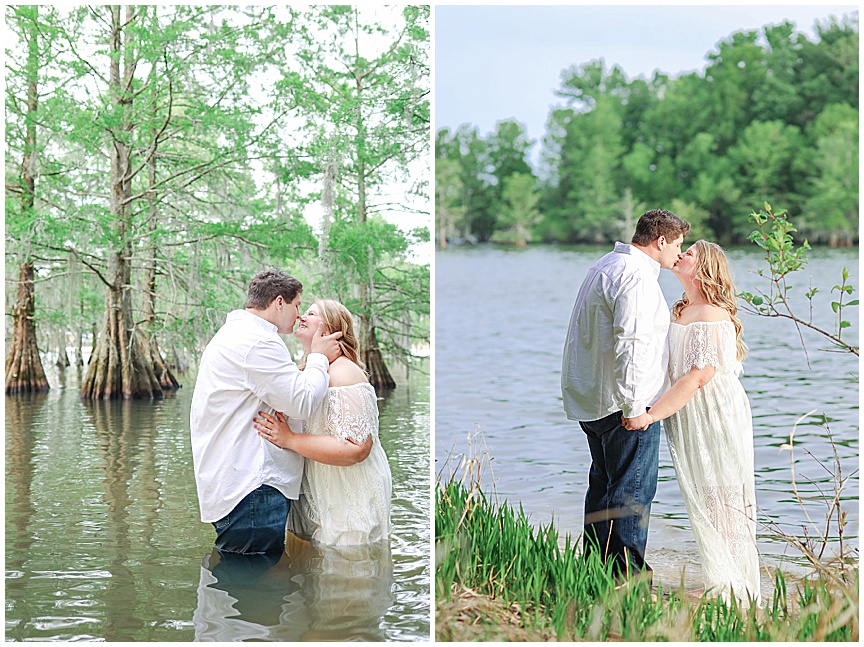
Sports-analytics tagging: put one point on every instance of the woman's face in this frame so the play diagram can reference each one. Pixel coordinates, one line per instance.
(687, 263)
(308, 324)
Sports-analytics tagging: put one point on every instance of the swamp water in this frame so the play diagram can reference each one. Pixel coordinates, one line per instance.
(104, 542)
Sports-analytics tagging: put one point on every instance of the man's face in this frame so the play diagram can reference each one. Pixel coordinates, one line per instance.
(669, 251)
(287, 316)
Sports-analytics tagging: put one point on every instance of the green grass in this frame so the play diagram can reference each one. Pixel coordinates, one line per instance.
(534, 587)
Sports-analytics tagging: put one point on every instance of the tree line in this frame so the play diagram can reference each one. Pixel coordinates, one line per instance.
(158, 156)
(774, 116)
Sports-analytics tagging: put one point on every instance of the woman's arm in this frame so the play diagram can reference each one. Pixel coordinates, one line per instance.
(323, 449)
(674, 399)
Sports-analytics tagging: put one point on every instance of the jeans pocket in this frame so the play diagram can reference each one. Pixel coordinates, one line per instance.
(222, 523)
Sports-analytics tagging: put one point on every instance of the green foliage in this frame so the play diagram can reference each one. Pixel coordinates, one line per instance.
(474, 181)
(236, 108)
(449, 189)
(370, 109)
(695, 216)
(773, 115)
(518, 213)
(495, 551)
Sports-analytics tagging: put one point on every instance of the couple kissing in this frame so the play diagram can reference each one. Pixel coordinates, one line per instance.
(276, 445)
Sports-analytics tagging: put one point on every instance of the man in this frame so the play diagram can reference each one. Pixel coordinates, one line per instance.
(245, 484)
(615, 360)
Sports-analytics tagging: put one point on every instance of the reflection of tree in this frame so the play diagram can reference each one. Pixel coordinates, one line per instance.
(310, 592)
(124, 441)
(22, 412)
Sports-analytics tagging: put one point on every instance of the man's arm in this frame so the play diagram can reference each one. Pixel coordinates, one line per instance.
(273, 376)
(634, 334)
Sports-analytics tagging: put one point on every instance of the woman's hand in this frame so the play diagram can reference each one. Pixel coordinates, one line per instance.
(639, 422)
(275, 429)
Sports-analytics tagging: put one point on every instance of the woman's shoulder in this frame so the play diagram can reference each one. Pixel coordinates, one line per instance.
(344, 372)
(703, 313)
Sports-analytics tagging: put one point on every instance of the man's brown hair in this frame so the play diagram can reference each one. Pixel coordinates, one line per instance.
(269, 284)
(658, 222)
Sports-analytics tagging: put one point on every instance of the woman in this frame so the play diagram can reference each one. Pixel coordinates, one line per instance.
(345, 494)
(708, 423)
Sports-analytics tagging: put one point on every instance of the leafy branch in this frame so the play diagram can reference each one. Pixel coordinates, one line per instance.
(774, 237)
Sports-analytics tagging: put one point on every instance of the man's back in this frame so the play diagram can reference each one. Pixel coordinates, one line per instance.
(615, 351)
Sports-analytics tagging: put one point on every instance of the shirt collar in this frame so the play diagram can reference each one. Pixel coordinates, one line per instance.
(638, 254)
(236, 315)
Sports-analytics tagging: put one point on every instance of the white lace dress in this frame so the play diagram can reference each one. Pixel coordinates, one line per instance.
(711, 442)
(342, 506)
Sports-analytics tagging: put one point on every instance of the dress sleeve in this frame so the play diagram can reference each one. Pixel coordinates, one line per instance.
(705, 345)
(352, 414)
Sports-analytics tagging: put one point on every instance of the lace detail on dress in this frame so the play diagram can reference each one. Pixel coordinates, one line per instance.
(729, 515)
(705, 343)
(701, 350)
(711, 443)
(348, 413)
(345, 505)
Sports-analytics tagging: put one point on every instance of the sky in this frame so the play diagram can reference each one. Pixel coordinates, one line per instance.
(504, 62)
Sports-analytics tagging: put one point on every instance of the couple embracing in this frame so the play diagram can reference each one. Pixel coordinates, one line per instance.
(627, 366)
(277, 446)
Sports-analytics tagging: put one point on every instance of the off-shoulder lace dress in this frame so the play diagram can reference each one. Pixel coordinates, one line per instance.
(711, 442)
(350, 505)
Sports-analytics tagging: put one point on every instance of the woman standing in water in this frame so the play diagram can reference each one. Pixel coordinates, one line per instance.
(709, 427)
(345, 494)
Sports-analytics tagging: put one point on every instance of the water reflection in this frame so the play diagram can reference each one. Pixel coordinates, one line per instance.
(125, 443)
(104, 542)
(307, 593)
(21, 412)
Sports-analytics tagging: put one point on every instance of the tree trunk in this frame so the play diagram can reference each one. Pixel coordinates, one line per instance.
(167, 381)
(62, 356)
(79, 350)
(24, 371)
(121, 365)
(95, 333)
(166, 378)
(379, 376)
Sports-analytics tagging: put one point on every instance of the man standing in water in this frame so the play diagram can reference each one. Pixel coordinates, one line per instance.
(246, 484)
(615, 360)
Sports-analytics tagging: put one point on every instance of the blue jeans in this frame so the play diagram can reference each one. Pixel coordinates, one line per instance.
(621, 485)
(256, 525)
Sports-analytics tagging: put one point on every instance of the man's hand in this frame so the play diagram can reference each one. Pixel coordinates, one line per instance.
(326, 344)
(639, 422)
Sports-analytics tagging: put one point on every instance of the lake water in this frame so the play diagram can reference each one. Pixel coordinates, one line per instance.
(104, 542)
(501, 317)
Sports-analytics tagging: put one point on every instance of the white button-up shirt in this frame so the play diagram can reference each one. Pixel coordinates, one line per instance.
(616, 353)
(246, 368)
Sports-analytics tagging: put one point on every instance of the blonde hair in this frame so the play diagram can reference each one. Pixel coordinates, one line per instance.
(716, 285)
(337, 317)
